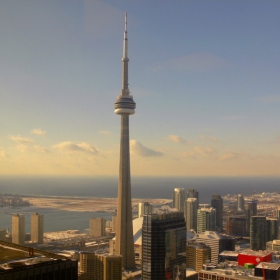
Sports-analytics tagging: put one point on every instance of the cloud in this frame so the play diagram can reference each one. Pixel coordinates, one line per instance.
(38, 131)
(229, 156)
(137, 148)
(177, 139)
(204, 151)
(40, 149)
(3, 155)
(104, 132)
(70, 147)
(198, 151)
(21, 140)
(193, 63)
(211, 138)
(271, 98)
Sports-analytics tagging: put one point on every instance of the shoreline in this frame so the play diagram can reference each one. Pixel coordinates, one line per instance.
(89, 204)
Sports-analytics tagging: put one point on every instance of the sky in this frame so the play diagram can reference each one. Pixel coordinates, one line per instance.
(204, 76)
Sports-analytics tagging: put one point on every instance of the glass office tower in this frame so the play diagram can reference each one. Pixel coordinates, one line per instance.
(163, 245)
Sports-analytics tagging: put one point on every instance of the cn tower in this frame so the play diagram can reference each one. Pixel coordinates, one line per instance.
(125, 106)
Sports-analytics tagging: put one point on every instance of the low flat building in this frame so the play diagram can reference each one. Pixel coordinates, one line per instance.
(20, 262)
(254, 257)
(273, 245)
(271, 270)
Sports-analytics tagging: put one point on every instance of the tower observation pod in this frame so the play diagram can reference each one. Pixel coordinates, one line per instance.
(124, 103)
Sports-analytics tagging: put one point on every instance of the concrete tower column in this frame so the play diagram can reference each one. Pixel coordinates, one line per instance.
(125, 106)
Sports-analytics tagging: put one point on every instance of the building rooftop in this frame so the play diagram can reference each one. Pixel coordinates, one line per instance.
(254, 253)
(268, 265)
(208, 235)
(229, 253)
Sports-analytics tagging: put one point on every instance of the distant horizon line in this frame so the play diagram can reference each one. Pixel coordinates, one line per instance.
(140, 176)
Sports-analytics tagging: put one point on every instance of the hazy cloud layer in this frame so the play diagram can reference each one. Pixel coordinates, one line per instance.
(38, 131)
(104, 132)
(177, 139)
(137, 148)
(40, 149)
(21, 140)
(3, 155)
(193, 63)
(197, 151)
(211, 138)
(70, 147)
(229, 156)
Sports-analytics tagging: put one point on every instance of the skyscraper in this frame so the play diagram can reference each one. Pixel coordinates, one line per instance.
(191, 213)
(240, 203)
(276, 212)
(192, 193)
(258, 234)
(236, 226)
(124, 106)
(272, 225)
(163, 245)
(217, 203)
(144, 208)
(18, 229)
(97, 227)
(37, 228)
(206, 219)
(179, 199)
(250, 210)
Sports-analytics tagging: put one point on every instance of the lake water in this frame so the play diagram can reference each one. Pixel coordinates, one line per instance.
(142, 187)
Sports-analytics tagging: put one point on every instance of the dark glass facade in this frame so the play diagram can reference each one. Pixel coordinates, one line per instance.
(258, 231)
(217, 203)
(163, 245)
(250, 210)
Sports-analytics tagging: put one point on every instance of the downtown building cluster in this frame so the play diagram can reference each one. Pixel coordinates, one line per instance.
(186, 241)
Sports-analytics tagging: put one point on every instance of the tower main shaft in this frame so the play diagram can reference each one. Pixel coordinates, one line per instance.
(125, 106)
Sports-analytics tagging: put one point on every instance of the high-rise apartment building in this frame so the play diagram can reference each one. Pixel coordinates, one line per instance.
(197, 255)
(179, 199)
(124, 106)
(192, 193)
(217, 203)
(3, 234)
(191, 213)
(100, 267)
(97, 227)
(272, 225)
(236, 226)
(114, 223)
(206, 219)
(163, 245)
(258, 233)
(216, 242)
(18, 229)
(276, 212)
(37, 228)
(240, 203)
(250, 210)
(144, 208)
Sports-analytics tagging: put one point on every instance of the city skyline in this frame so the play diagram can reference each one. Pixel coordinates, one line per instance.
(205, 74)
